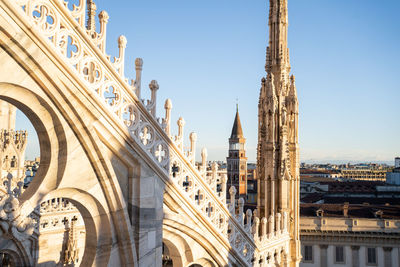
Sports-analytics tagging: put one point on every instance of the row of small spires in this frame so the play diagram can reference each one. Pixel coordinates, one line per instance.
(18, 138)
(260, 229)
(99, 39)
(16, 135)
(56, 204)
(136, 84)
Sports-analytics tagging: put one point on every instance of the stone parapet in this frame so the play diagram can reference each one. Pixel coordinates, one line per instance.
(350, 224)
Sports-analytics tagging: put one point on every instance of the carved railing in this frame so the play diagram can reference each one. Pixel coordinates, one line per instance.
(253, 239)
(57, 213)
(83, 49)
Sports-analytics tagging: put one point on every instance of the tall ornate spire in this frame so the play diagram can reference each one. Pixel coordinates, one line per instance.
(277, 50)
(278, 152)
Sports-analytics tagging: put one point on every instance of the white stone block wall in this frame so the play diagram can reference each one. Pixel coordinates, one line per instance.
(362, 255)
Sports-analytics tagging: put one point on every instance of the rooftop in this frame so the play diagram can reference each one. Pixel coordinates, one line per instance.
(354, 211)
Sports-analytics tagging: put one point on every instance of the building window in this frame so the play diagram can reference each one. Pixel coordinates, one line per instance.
(371, 256)
(308, 254)
(339, 254)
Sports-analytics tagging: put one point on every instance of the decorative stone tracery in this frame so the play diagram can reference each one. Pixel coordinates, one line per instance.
(61, 25)
(13, 223)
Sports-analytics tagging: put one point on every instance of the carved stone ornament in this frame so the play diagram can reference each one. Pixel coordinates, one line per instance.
(13, 223)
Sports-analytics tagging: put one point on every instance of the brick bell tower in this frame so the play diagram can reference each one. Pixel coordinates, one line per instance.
(237, 160)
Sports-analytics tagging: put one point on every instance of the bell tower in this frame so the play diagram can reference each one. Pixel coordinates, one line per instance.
(237, 160)
(278, 148)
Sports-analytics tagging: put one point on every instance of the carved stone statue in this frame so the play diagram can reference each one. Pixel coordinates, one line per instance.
(284, 115)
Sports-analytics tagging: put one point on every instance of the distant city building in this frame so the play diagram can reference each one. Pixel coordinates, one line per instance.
(320, 173)
(364, 174)
(252, 186)
(31, 167)
(350, 218)
(350, 235)
(237, 160)
(394, 176)
(360, 171)
(354, 192)
(397, 162)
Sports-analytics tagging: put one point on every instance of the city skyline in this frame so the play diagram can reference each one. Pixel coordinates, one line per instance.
(345, 68)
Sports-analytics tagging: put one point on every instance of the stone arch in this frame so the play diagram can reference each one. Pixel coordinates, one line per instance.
(16, 258)
(51, 136)
(98, 240)
(203, 262)
(179, 250)
(186, 230)
(49, 123)
(52, 99)
(16, 250)
(173, 252)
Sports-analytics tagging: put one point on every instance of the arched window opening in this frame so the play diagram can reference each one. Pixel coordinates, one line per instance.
(19, 154)
(61, 225)
(166, 258)
(6, 260)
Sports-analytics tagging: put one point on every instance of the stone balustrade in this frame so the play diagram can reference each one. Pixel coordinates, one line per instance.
(350, 224)
(18, 139)
(248, 235)
(83, 51)
(56, 205)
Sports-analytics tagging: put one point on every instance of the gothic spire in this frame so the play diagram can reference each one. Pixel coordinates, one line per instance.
(278, 149)
(91, 16)
(237, 131)
(277, 60)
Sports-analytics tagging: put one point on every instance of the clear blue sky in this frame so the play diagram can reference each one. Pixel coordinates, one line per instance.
(205, 54)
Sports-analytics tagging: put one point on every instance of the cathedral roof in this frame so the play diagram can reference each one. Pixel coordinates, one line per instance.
(237, 131)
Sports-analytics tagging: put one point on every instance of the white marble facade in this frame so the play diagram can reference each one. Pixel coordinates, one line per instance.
(115, 186)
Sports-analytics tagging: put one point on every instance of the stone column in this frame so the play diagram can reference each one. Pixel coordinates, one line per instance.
(387, 256)
(355, 256)
(323, 255)
(146, 211)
